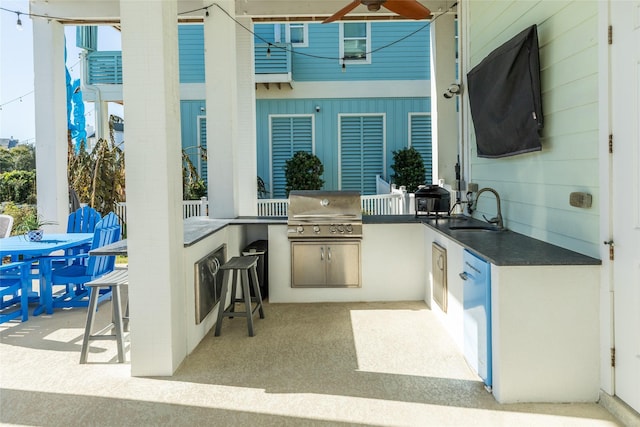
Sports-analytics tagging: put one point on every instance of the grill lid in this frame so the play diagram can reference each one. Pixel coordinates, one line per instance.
(432, 191)
(324, 206)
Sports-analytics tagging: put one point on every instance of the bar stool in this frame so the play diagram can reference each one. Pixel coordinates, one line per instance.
(113, 280)
(240, 266)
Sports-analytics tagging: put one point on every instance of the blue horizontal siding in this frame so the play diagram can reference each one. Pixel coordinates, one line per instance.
(326, 127)
(264, 33)
(191, 53)
(406, 60)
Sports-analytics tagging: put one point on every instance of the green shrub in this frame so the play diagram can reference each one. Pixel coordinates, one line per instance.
(20, 157)
(303, 172)
(18, 186)
(195, 190)
(409, 169)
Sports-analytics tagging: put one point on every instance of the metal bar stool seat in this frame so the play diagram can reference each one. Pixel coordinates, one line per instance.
(240, 267)
(113, 280)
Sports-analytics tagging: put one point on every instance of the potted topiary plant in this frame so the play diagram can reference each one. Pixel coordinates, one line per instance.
(303, 172)
(409, 169)
(31, 225)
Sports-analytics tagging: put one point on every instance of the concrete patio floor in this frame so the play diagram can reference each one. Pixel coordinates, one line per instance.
(374, 364)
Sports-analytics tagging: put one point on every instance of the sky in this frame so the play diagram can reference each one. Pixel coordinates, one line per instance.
(17, 117)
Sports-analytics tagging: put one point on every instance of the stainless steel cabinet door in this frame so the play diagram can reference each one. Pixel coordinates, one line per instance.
(308, 264)
(320, 265)
(343, 264)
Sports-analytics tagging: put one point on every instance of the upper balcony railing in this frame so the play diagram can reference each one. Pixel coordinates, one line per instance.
(104, 67)
(272, 58)
(272, 65)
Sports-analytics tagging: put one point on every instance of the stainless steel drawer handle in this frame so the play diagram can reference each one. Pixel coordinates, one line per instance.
(464, 276)
(322, 254)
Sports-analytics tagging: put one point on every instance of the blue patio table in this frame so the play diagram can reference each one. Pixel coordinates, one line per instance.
(19, 247)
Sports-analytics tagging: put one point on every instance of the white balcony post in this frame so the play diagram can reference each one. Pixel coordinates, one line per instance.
(221, 92)
(51, 121)
(444, 118)
(154, 186)
(247, 163)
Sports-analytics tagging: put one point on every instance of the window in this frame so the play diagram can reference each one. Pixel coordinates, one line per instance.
(195, 149)
(355, 42)
(362, 151)
(297, 35)
(420, 139)
(288, 135)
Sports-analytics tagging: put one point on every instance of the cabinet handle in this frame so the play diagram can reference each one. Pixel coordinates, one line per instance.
(464, 276)
(322, 254)
(329, 254)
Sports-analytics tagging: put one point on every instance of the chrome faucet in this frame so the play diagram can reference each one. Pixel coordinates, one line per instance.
(497, 220)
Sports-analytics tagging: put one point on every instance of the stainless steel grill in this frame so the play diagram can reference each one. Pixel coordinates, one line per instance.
(325, 231)
(324, 214)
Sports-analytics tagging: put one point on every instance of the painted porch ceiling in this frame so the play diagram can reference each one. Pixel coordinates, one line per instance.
(108, 11)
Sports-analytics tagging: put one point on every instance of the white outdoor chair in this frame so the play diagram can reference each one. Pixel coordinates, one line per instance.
(6, 224)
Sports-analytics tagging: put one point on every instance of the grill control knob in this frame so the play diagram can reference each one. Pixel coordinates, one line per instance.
(348, 228)
(300, 229)
(316, 229)
(332, 228)
(340, 228)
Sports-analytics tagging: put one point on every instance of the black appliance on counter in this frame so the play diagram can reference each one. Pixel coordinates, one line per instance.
(432, 200)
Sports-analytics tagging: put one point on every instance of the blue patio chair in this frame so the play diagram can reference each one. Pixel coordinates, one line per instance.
(75, 275)
(15, 283)
(83, 220)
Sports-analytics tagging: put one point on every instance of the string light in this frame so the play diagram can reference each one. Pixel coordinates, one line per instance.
(297, 52)
(18, 99)
(206, 10)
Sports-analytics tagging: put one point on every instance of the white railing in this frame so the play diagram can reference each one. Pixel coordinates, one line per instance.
(382, 186)
(380, 204)
(383, 204)
(273, 207)
(189, 208)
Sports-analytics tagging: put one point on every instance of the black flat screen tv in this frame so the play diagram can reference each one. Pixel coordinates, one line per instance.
(505, 98)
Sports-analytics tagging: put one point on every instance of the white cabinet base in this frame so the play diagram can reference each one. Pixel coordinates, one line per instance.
(545, 323)
(392, 267)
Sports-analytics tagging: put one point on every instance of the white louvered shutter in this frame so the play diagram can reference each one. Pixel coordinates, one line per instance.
(288, 136)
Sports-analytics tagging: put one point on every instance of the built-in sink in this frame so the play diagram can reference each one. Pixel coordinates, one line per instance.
(475, 227)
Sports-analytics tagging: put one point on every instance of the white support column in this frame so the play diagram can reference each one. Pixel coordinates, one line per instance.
(444, 118)
(154, 186)
(102, 119)
(247, 164)
(51, 121)
(221, 93)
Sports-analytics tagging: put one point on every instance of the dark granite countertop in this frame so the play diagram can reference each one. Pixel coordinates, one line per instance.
(502, 248)
(198, 227)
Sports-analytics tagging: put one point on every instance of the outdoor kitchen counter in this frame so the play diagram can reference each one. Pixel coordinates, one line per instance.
(197, 228)
(502, 248)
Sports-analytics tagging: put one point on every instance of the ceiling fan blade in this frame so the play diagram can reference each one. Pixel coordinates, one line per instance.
(339, 14)
(407, 8)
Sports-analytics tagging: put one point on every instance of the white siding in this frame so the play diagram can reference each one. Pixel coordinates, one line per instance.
(535, 187)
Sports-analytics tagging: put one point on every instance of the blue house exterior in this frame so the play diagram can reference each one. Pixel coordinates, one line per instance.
(352, 93)
(350, 120)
